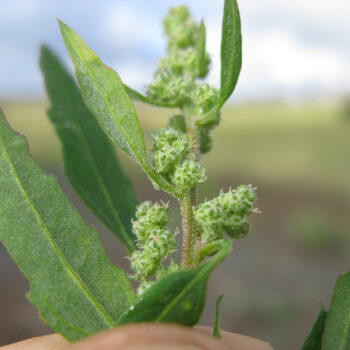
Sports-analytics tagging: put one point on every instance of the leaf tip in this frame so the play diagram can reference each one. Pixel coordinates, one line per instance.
(64, 28)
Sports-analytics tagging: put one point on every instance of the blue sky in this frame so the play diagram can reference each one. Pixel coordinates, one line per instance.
(292, 49)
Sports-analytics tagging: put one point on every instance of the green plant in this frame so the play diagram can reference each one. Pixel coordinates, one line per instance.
(73, 284)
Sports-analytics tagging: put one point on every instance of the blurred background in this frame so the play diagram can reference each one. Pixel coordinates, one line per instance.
(285, 130)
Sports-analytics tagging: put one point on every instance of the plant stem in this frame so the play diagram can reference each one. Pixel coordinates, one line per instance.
(187, 229)
(191, 238)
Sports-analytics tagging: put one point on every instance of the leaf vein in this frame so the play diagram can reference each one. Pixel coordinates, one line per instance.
(109, 321)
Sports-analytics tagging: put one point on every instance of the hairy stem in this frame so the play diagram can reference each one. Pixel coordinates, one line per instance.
(187, 229)
(191, 238)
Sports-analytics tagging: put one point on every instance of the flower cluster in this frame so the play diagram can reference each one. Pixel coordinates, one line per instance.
(205, 138)
(204, 98)
(155, 242)
(178, 123)
(175, 78)
(170, 149)
(226, 213)
(176, 153)
(180, 29)
(188, 175)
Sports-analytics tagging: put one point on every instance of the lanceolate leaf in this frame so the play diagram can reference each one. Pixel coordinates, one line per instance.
(231, 51)
(89, 158)
(178, 297)
(231, 58)
(201, 52)
(135, 95)
(337, 327)
(107, 99)
(75, 287)
(313, 341)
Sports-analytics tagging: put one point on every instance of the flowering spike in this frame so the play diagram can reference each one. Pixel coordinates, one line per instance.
(226, 213)
(178, 123)
(169, 149)
(204, 98)
(155, 242)
(180, 29)
(188, 175)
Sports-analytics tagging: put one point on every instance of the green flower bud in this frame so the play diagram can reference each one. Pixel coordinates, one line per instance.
(178, 123)
(188, 175)
(155, 242)
(181, 62)
(169, 149)
(177, 15)
(205, 140)
(226, 213)
(160, 243)
(168, 87)
(180, 29)
(144, 265)
(148, 217)
(237, 230)
(204, 98)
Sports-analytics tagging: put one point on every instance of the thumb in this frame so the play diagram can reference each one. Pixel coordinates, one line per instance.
(157, 336)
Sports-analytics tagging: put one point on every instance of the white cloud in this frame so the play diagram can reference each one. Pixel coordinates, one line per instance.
(134, 73)
(281, 58)
(277, 61)
(123, 24)
(290, 47)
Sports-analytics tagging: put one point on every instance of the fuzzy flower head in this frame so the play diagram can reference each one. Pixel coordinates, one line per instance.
(168, 87)
(161, 243)
(178, 123)
(204, 98)
(180, 29)
(155, 242)
(144, 265)
(181, 62)
(227, 213)
(205, 138)
(148, 217)
(175, 78)
(169, 149)
(188, 175)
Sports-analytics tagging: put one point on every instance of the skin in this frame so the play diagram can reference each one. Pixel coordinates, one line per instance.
(146, 336)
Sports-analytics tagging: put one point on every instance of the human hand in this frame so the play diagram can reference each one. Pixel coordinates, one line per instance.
(145, 336)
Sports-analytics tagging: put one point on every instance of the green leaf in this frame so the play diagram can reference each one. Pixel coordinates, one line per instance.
(135, 95)
(217, 317)
(313, 340)
(76, 289)
(90, 163)
(201, 52)
(337, 328)
(231, 59)
(231, 51)
(107, 99)
(178, 297)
